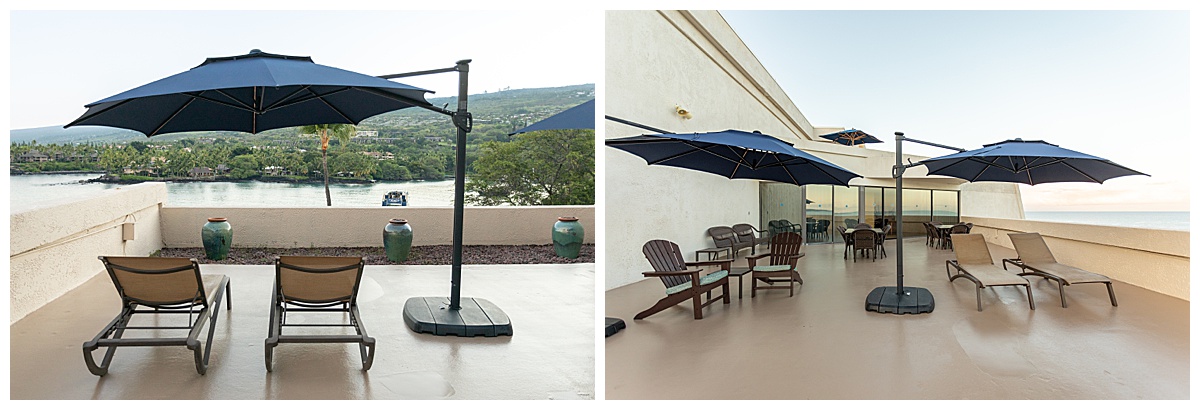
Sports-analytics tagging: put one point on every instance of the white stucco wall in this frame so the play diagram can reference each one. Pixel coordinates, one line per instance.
(53, 249)
(1153, 259)
(363, 227)
(657, 60)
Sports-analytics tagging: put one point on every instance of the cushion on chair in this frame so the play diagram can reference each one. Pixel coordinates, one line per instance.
(773, 268)
(706, 279)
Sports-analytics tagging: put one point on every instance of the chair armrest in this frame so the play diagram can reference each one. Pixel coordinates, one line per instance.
(723, 263)
(755, 258)
(671, 273)
(1015, 261)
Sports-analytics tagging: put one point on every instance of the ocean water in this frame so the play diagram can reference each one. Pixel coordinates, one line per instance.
(33, 191)
(1175, 221)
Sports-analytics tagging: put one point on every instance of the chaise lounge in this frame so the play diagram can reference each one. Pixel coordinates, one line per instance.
(975, 264)
(1034, 258)
(159, 287)
(307, 284)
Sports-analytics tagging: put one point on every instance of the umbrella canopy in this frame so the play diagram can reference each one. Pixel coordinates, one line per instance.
(851, 137)
(1026, 162)
(579, 117)
(735, 155)
(251, 93)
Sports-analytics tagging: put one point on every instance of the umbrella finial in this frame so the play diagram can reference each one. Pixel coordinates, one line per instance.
(255, 51)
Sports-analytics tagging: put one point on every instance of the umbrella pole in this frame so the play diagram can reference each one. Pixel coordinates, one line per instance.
(458, 317)
(898, 299)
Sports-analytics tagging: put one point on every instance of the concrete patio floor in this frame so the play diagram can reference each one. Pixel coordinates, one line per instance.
(550, 356)
(823, 344)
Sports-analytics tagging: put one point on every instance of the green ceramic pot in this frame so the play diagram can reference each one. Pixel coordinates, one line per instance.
(217, 235)
(397, 240)
(568, 237)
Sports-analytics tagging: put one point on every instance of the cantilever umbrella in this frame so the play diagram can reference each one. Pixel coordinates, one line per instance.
(735, 155)
(579, 117)
(252, 93)
(260, 91)
(851, 137)
(1026, 162)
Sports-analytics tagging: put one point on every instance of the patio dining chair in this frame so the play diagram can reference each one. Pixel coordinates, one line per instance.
(957, 229)
(317, 284)
(747, 233)
(1035, 258)
(864, 242)
(159, 288)
(682, 279)
(974, 262)
(779, 267)
(879, 239)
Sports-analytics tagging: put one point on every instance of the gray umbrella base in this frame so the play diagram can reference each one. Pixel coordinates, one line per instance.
(612, 325)
(477, 317)
(914, 300)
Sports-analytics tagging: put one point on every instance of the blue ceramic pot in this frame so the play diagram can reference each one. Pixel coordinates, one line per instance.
(397, 240)
(217, 235)
(567, 236)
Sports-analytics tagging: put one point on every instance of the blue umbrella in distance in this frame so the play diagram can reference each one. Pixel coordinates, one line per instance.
(579, 117)
(851, 137)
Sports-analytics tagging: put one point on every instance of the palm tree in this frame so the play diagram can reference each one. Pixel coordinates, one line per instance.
(340, 131)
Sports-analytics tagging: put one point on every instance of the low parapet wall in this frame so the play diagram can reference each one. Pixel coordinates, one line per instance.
(53, 249)
(1158, 260)
(363, 227)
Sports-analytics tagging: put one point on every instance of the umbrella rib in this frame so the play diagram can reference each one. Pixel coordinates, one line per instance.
(200, 96)
(1085, 175)
(102, 111)
(335, 109)
(288, 97)
(395, 97)
(177, 111)
(737, 165)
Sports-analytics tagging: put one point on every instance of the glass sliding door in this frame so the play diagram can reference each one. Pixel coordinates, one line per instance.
(780, 202)
(945, 207)
(818, 212)
(917, 211)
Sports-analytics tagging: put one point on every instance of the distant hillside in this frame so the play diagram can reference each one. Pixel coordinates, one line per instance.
(57, 135)
(510, 107)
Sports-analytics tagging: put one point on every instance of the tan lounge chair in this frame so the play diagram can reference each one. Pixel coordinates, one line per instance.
(318, 284)
(781, 265)
(159, 286)
(975, 264)
(1034, 258)
(682, 281)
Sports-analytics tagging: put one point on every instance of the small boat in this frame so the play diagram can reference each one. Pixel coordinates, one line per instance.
(396, 198)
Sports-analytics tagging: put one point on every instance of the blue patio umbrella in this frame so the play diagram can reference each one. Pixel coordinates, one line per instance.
(251, 93)
(261, 91)
(1026, 162)
(735, 155)
(579, 117)
(851, 137)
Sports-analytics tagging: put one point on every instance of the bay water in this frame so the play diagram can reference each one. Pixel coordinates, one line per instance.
(33, 191)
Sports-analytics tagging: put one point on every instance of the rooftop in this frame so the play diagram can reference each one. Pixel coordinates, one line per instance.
(550, 356)
(823, 344)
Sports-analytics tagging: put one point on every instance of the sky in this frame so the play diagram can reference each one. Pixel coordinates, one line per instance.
(61, 60)
(1114, 84)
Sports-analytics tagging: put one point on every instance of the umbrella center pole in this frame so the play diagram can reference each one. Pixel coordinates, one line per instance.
(467, 317)
(898, 299)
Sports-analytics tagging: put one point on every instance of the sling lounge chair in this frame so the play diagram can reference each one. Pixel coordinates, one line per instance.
(975, 264)
(1034, 258)
(780, 265)
(682, 280)
(159, 286)
(317, 284)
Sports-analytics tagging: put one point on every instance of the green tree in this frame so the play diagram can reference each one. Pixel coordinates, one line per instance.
(340, 131)
(244, 166)
(355, 163)
(555, 167)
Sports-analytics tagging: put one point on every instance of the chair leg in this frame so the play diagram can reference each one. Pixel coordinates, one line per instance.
(725, 290)
(1062, 295)
(1111, 296)
(978, 300)
(697, 307)
(1029, 294)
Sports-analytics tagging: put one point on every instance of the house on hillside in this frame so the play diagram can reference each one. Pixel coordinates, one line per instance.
(33, 156)
(200, 172)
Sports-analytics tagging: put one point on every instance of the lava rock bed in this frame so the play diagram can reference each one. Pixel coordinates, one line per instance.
(419, 255)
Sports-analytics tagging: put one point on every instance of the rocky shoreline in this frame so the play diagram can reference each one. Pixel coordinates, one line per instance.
(420, 255)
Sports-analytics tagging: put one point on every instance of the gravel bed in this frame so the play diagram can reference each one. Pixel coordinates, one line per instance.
(419, 255)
